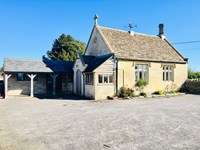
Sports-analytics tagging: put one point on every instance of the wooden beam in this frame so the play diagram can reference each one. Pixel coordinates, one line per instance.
(6, 77)
(32, 76)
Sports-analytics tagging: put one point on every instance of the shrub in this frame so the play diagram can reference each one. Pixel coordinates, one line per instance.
(126, 92)
(193, 86)
(141, 83)
(159, 92)
(193, 75)
(143, 94)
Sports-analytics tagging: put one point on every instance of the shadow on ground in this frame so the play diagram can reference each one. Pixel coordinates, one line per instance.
(60, 97)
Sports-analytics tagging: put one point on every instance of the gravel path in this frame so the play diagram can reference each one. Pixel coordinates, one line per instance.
(148, 124)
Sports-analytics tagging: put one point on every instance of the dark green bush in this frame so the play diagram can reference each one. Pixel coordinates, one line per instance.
(141, 83)
(126, 92)
(143, 94)
(159, 92)
(193, 86)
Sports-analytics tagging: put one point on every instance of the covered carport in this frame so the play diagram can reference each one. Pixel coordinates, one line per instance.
(30, 77)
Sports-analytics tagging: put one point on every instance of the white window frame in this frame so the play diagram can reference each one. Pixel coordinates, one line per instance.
(168, 73)
(103, 78)
(141, 68)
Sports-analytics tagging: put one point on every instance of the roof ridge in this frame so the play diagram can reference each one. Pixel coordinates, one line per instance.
(23, 59)
(104, 39)
(127, 31)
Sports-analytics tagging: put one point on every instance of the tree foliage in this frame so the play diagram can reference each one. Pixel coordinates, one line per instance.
(1, 71)
(65, 48)
(193, 74)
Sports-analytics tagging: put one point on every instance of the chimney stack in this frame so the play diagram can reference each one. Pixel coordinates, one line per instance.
(161, 31)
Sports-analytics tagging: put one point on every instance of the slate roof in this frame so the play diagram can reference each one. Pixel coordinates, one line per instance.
(37, 66)
(94, 62)
(140, 46)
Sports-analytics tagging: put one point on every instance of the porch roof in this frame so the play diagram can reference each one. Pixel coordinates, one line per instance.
(95, 61)
(37, 66)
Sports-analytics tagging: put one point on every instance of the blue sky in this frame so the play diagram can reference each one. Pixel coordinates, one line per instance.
(28, 27)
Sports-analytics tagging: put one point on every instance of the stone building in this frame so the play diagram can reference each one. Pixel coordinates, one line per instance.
(112, 59)
(129, 57)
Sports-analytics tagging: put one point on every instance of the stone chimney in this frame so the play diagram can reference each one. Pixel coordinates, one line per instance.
(131, 33)
(161, 31)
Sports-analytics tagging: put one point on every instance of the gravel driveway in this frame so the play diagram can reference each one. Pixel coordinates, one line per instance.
(154, 123)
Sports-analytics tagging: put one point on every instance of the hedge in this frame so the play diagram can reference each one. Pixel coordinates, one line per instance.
(193, 86)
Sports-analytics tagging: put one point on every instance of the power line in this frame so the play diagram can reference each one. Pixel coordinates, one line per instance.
(189, 42)
(191, 48)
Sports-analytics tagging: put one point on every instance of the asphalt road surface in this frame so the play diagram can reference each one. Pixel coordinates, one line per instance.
(142, 124)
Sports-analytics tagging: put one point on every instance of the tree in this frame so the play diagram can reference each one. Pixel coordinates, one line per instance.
(65, 48)
(1, 71)
(193, 74)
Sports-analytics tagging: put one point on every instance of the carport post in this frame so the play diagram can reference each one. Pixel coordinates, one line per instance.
(54, 76)
(6, 83)
(32, 76)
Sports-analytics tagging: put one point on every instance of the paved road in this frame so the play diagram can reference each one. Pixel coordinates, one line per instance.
(148, 124)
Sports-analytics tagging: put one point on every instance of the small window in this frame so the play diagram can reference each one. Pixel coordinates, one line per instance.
(89, 79)
(168, 73)
(105, 78)
(25, 77)
(100, 78)
(110, 78)
(141, 72)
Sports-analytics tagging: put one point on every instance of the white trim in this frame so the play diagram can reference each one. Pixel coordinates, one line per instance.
(31, 76)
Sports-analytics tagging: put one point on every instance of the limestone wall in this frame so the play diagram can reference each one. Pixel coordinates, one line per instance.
(126, 75)
(96, 45)
(23, 87)
(18, 87)
(90, 91)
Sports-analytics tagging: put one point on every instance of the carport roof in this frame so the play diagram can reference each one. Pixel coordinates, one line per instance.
(37, 66)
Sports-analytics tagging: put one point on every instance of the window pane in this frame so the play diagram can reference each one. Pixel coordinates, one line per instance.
(89, 78)
(171, 78)
(136, 76)
(105, 78)
(140, 75)
(168, 73)
(136, 67)
(20, 76)
(167, 76)
(163, 76)
(100, 78)
(145, 75)
(110, 78)
(140, 67)
(144, 67)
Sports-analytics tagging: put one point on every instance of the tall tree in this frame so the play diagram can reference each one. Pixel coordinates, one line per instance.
(65, 48)
(1, 71)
